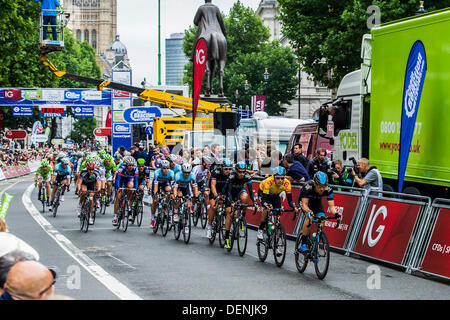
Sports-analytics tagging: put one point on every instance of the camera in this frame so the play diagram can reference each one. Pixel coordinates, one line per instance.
(355, 165)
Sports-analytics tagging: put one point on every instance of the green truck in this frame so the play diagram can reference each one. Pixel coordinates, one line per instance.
(371, 107)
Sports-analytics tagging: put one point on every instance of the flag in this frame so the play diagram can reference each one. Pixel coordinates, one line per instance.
(416, 69)
(200, 59)
(109, 119)
(5, 205)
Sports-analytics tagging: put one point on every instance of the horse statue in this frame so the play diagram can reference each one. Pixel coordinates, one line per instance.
(211, 27)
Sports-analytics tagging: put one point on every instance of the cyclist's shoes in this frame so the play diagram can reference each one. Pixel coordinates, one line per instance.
(131, 219)
(227, 244)
(61, 199)
(260, 235)
(279, 251)
(304, 248)
(176, 218)
(186, 230)
(97, 203)
(152, 223)
(114, 222)
(209, 232)
(91, 221)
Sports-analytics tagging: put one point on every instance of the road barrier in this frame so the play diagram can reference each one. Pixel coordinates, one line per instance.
(432, 252)
(8, 172)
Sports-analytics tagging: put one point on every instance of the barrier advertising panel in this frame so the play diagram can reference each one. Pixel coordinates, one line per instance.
(387, 229)
(437, 257)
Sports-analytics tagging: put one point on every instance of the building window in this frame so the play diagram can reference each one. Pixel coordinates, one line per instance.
(94, 39)
(86, 36)
(79, 35)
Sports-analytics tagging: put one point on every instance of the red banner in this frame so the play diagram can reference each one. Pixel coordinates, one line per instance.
(387, 228)
(102, 132)
(258, 103)
(13, 94)
(109, 119)
(437, 256)
(200, 60)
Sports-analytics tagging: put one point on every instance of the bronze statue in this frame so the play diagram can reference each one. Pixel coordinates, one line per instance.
(211, 27)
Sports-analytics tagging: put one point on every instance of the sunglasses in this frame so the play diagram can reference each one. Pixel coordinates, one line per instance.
(279, 178)
(240, 171)
(51, 285)
(226, 169)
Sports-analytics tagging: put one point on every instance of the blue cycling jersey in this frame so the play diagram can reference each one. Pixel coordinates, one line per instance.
(127, 175)
(176, 169)
(182, 182)
(60, 171)
(162, 179)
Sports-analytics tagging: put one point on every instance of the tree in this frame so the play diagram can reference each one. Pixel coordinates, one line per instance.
(326, 35)
(249, 53)
(83, 129)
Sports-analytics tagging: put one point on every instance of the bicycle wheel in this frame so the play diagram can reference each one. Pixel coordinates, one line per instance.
(214, 231)
(196, 214)
(321, 255)
(177, 226)
(279, 245)
(121, 212)
(56, 202)
(232, 235)
(103, 201)
(186, 225)
(221, 229)
(204, 213)
(139, 213)
(157, 222)
(165, 220)
(85, 216)
(242, 236)
(125, 217)
(43, 200)
(301, 260)
(94, 211)
(262, 247)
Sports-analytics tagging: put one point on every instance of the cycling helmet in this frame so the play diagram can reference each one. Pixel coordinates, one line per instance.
(186, 167)
(65, 161)
(226, 163)
(207, 160)
(61, 155)
(90, 165)
(172, 158)
(240, 165)
(89, 159)
(129, 160)
(279, 171)
(141, 161)
(107, 157)
(45, 163)
(102, 152)
(320, 178)
(165, 164)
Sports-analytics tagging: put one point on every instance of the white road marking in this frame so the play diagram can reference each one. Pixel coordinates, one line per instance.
(111, 283)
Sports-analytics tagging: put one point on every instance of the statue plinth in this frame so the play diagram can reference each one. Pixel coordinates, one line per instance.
(216, 99)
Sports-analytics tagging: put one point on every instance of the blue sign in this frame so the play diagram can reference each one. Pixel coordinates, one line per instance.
(69, 97)
(149, 130)
(122, 128)
(141, 115)
(81, 111)
(22, 111)
(68, 141)
(416, 70)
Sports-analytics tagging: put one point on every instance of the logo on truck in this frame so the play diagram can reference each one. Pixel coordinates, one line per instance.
(412, 93)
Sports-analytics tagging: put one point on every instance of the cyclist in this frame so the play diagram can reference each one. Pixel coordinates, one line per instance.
(219, 178)
(310, 199)
(269, 195)
(44, 174)
(202, 174)
(238, 189)
(61, 174)
(88, 184)
(127, 176)
(173, 165)
(162, 180)
(110, 171)
(184, 180)
(102, 170)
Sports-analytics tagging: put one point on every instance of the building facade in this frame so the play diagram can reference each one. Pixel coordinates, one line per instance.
(311, 94)
(175, 59)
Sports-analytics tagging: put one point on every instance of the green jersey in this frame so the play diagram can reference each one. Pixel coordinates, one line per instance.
(110, 169)
(45, 173)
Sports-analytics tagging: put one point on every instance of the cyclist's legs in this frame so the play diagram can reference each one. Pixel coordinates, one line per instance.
(212, 211)
(83, 195)
(54, 187)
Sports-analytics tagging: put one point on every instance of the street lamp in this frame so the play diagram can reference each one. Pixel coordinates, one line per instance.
(246, 85)
(266, 78)
(266, 75)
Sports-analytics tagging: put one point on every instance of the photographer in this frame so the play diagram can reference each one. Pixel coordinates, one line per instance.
(340, 175)
(371, 178)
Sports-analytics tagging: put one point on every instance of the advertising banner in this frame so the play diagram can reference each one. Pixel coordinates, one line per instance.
(141, 115)
(258, 103)
(81, 111)
(387, 228)
(437, 256)
(200, 59)
(52, 111)
(70, 97)
(416, 70)
(22, 111)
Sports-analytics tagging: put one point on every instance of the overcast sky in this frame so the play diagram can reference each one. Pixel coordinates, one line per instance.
(137, 25)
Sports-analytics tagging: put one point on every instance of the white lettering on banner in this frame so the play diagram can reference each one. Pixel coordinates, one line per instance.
(200, 56)
(368, 232)
(444, 249)
(52, 95)
(72, 95)
(91, 95)
(412, 93)
(121, 128)
(141, 115)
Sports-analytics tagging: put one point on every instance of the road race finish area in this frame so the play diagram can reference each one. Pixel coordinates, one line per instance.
(108, 264)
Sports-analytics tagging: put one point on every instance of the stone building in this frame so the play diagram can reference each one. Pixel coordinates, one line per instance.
(312, 93)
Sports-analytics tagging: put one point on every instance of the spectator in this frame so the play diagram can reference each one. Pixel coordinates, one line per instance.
(318, 163)
(340, 175)
(8, 260)
(215, 152)
(371, 180)
(206, 150)
(295, 170)
(298, 155)
(9, 243)
(29, 280)
(156, 158)
(165, 152)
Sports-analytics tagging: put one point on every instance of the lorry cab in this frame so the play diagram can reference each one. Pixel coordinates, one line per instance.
(307, 134)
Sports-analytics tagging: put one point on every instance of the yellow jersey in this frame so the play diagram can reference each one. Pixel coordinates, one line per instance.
(269, 187)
